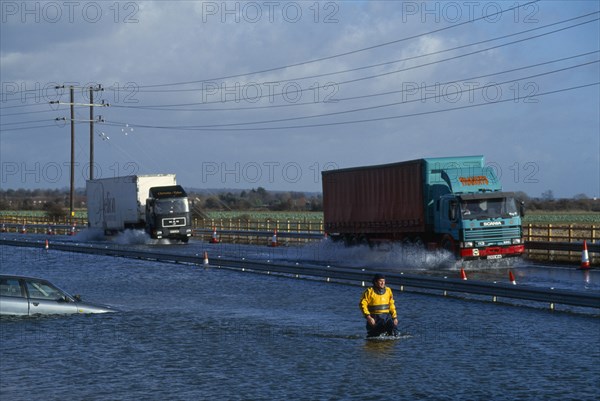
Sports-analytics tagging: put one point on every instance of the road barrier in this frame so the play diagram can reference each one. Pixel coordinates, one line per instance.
(354, 276)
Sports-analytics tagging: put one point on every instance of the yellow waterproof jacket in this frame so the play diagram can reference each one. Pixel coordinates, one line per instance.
(372, 303)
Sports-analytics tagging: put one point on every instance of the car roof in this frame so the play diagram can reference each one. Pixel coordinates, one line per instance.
(21, 277)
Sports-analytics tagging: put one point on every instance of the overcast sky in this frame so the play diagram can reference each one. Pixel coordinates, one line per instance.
(249, 94)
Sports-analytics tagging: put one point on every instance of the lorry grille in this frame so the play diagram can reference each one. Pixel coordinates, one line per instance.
(174, 222)
(492, 234)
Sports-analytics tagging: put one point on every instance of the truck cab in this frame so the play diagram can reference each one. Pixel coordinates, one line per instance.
(474, 219)
(168, 213)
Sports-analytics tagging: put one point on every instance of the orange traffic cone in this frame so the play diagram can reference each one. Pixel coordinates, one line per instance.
(463, 275)
(24, 229)
(585, 258)
(215, 238)
(46, 246)
(73, 229)
(206, 258)
(274, 239)
(511, 277)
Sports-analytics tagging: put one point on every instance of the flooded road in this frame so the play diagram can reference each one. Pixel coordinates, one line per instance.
(186, 332)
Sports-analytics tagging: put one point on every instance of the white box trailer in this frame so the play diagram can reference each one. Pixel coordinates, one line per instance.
(119, 203)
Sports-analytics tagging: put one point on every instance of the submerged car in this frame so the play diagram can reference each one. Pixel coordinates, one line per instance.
(25, 296)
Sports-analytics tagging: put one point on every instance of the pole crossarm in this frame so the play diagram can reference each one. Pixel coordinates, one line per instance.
(103, 104)
(77, 120)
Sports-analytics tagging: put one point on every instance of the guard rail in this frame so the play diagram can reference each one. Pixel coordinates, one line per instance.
(550, 296)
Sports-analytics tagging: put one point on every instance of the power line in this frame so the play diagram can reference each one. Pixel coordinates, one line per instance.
(302, 90)
(22, 105)
(26, 128)
(24, 122)
(349, 52)
(29, 112)
(413, 57)
(338, 100)
(347, 70)
(391, 104)
(155, 108)
(371, 66)
(182, 128)
(369, 107)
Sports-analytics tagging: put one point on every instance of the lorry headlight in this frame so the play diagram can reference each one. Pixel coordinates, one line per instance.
(468, 244)
(480, 243)
(516, 241)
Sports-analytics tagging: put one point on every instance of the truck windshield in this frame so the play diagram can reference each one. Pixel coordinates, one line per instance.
(489, 208)
(173, 205)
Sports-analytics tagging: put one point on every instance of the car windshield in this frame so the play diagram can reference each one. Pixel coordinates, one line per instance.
(41, 290)
(174, 205)
(489, 208)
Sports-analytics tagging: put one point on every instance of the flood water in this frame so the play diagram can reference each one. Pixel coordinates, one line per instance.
(187, 332)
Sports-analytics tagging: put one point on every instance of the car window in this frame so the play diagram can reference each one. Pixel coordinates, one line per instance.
(39, 290)
(9, 287)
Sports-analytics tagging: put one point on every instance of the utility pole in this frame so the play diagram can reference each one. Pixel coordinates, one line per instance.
(72, 191)
(92, 90)
(91, 133)
(72, 105)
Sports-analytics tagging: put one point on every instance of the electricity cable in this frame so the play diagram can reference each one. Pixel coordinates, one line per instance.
(183, 128)
(487, 16)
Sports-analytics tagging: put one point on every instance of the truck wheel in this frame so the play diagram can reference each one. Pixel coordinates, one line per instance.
(448, 244)
(349, 240)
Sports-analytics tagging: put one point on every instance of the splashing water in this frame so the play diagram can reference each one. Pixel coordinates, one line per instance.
(393, 256)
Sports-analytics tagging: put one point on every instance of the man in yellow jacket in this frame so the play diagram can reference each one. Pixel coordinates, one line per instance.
(377, 305)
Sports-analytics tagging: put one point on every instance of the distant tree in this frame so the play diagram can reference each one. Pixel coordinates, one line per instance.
(212, 203)
(582, 202)
(316, 204)
(26, 204)
(228, 199)
(54, 210)
(548, 195)
(261, 192)
(4, 204)
(522, 196)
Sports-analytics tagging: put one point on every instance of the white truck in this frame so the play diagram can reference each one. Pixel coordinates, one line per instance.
(154, 203)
